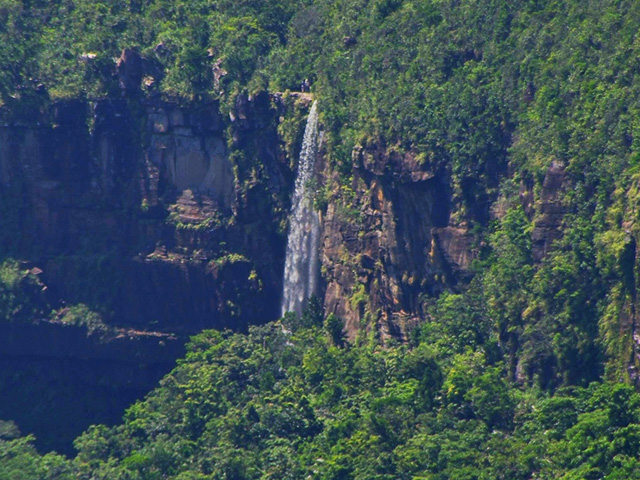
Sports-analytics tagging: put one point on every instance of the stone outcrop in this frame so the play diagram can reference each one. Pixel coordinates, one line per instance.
(191, 204)
(391, 245)
(134, 71)
(551, 211)
(172, 218)
(137, 208)
(190, 150)
(404, 235)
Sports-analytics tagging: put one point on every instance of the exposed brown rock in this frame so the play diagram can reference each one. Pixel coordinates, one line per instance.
(132, 68)
(395, 246)
(551, 211)
(130, 72)
(349, 41)
(456, 245)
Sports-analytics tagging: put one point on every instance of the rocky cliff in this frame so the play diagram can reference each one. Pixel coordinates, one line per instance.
(153, 214)
(55, 380)
(391, 242)
(172, 218)
(164, 219)
(175, 215)
(403, 231)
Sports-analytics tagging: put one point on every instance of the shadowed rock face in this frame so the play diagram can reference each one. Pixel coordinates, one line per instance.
(551, 211)
(137, 210)
(140, 210)
(56, 380)
(170, 219)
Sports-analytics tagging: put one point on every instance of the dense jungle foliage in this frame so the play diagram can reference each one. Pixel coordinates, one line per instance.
(291, 401)
(527, 372)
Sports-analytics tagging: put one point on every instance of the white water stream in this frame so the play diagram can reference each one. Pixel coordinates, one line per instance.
(301, 269)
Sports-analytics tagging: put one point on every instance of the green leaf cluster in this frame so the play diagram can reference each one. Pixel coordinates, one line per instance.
(291, 404)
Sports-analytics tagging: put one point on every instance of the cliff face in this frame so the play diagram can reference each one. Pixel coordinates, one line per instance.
(161, 218)
(167, 218)
(409, 230)
(171, 218)
(394, 244)
(138, 209)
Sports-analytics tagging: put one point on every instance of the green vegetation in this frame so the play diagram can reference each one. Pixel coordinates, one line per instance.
(229, 259)
(20, 293)
(526, 372)
(273, 404)
(80, 315)
(20, 460)
(23, 300)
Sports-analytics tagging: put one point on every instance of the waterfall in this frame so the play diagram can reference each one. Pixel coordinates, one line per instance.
(301, 270)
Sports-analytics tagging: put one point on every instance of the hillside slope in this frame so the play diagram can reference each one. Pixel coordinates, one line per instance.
(477, 183)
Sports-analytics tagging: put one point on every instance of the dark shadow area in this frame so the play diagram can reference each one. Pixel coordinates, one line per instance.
(56, 381)
(56, 400)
